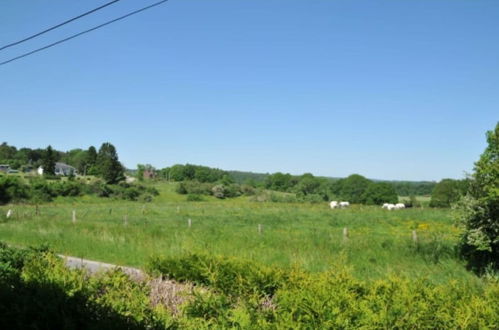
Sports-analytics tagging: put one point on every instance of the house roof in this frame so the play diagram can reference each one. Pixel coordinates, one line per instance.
(63, 166)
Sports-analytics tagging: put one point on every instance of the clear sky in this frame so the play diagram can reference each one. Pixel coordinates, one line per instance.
(388, 89)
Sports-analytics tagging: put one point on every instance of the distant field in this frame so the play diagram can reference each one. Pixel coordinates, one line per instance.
(308, 236)
(424, 199)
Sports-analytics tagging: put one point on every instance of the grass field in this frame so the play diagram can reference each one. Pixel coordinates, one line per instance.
(309, 236)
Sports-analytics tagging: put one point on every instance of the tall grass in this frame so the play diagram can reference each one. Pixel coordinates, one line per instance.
(308, 236)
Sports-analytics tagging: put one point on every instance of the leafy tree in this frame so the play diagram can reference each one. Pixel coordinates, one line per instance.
(108, 165)
(48, 162)
(189, 172)
(7, 152)
(447, 192)
(176, 173)
(380, 192)
(227, 180)
(353, 188)
(307, 184)
(279, 181)
(91, 161)
(140, 172)
(479, 214)
(76, 158)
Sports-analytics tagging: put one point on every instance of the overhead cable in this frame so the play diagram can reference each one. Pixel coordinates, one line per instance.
(58, 25)
(82, 33)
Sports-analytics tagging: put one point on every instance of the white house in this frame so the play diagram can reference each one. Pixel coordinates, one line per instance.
(5, 168)
(60, 169)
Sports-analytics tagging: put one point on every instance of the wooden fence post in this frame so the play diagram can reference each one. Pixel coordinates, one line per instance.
(345, 234)
(74, 216)
(125, 219)
(189, 223)
(259, 229)
(415, 237)
(37, 211)
(9, 213)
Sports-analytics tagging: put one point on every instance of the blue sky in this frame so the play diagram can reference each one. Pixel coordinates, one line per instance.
(388, 89)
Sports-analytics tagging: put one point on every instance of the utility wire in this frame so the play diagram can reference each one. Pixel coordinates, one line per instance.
(83, 32)
(58, 25)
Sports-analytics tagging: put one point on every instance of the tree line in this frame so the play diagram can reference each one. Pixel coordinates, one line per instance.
(103, 163)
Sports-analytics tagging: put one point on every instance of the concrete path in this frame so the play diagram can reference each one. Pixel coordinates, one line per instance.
(96, 266)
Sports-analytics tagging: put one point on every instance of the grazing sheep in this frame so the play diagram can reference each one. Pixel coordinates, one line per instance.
(334, 205)
(344, 204)
(390, 207)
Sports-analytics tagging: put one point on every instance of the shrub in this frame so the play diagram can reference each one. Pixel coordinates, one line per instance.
(310, 198)
(12, 189)
(219, 191)
(194, 198)
(247, 190)
(232, 190)
(42, 191)
(479, 215)
(39, 292)
(231, 276)
(67, 188)
(194, 187)
(247, 295)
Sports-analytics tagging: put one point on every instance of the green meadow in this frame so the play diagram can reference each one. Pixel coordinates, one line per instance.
(304, 235)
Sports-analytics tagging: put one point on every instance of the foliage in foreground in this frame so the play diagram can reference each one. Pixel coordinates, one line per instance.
(248, 295)
(38, 291)
(480, 210)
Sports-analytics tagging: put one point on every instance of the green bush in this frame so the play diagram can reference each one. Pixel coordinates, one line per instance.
(230, 276)
(194, 187)
(194, 198)
(37, 291)
(378, 193)
(12, 189)
(244, 295)
(479, 216)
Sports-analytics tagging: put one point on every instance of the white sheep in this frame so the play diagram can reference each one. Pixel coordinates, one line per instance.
(344, 204)
(334, 205)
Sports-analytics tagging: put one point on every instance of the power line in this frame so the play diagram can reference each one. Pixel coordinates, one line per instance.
(83, 32)
(58, 25)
